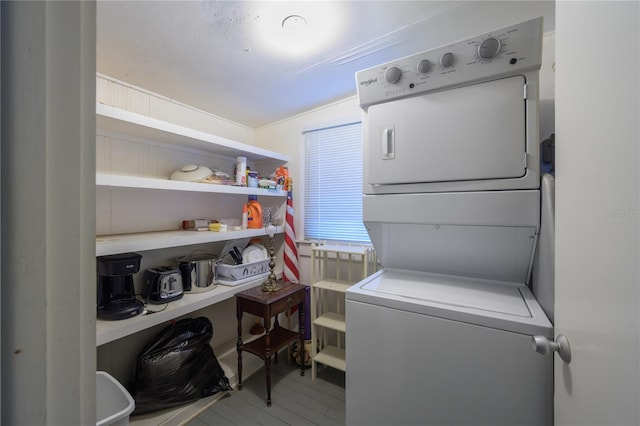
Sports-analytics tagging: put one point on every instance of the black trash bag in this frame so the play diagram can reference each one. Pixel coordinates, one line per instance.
(178, 366)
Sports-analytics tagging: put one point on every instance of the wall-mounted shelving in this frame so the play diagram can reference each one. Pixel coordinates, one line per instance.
(136, 155)
(108, 331)
(129, 126)
(113, 244)
(134, 182)
(122, 122)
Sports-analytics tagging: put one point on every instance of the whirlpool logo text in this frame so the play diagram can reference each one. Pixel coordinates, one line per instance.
(368, 82)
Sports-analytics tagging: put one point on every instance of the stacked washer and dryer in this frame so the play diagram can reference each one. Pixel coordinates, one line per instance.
(442, 335)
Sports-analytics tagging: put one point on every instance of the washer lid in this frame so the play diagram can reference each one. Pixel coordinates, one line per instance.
(490, 296)
(497, 304)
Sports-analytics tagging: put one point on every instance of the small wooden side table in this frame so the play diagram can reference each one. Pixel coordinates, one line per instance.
(268, 305)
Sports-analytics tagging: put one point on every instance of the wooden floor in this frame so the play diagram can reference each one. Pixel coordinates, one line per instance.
(295, 399)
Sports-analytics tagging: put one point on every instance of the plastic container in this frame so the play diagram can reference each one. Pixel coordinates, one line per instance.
(252, 179)
(113, 402)
(245, 217)
(254, 213)
(241, 171)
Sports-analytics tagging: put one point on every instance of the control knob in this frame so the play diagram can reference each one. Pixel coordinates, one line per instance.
(446, 60)
(424, 66)
(392, 74)
(489, 48)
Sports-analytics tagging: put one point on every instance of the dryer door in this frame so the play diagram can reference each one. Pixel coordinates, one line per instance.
(468, 133)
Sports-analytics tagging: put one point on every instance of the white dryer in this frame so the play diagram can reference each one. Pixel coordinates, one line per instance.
(443, 334)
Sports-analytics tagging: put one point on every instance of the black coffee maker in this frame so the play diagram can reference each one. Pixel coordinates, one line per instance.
(116, 293)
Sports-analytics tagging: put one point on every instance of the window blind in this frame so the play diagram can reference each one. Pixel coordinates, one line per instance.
(333, 184)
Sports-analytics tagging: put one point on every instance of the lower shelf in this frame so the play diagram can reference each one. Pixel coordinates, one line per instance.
(333, 357)
(332, 321)
(108, 331)
(280, 337)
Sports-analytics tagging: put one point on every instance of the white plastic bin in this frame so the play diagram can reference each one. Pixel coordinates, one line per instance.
(242, 271)
(113, 402)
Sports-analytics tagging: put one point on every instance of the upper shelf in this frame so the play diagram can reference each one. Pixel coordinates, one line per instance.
(121, 181)
(123, 122)
(122, 243)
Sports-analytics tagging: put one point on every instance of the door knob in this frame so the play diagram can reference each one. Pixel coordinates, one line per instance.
(543, 345)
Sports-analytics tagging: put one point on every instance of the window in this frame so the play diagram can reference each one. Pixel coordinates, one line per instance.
(333, 184)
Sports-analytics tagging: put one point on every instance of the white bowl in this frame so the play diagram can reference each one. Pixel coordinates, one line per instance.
(191, 173)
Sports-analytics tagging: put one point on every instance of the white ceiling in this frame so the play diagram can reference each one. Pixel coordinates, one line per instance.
(213, 55)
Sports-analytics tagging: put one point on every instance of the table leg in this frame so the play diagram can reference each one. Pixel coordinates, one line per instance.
(267, 364)
(239, 346)
(267, 355)
(275, 326)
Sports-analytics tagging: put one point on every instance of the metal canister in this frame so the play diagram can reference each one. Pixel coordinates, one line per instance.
(198, 272)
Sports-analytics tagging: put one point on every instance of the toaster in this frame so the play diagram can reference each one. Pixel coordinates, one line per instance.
(164, 284)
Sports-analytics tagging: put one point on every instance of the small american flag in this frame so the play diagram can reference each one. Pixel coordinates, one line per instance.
(290, 271)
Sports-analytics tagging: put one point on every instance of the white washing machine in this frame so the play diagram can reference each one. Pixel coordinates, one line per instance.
(443, 334)
(429, 349)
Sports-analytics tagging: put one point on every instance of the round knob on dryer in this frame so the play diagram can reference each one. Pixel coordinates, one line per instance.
(489, 48)
(446, 60)
(392, 74)
(424, 66)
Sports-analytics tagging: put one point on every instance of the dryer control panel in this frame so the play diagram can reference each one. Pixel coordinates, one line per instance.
(508, 51)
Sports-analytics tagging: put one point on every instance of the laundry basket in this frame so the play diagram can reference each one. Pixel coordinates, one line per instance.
(113, 402)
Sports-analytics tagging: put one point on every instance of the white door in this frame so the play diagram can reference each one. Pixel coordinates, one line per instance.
(597, 212)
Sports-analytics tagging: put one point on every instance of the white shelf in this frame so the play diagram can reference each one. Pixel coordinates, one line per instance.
(331, 320)
(328, 265)
(333, 285)
(134, 182)
(123, 243)
(333, 357)
(111, 120)
(108, 331)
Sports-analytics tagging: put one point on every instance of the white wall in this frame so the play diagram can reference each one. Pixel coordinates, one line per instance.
(48, 240)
